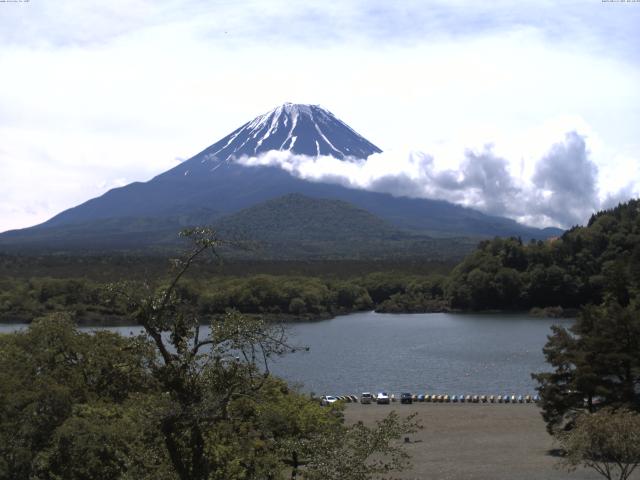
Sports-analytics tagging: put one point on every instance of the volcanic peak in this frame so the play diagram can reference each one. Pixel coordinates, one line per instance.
(298, 128)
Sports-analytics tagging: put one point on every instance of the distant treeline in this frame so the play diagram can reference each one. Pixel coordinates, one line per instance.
(115, 267)
(282, 295)
(582, 267)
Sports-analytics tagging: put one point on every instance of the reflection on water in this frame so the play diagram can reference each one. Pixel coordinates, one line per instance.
(435, 352)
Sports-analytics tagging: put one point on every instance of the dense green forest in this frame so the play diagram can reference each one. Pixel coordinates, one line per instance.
(110, 268)
(579, 268)
(595, 363)
(279, 296)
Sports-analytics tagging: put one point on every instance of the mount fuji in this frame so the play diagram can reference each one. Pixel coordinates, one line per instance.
(300, 129)
(214, 188)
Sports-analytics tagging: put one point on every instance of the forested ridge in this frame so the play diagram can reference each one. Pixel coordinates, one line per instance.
(594, 380)
(579, 268)
(290, 227)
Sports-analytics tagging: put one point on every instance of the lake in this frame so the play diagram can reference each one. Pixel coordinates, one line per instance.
(433, 352)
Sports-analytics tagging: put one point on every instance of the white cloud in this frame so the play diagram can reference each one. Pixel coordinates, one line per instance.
(63, 169)
(100, 92)
(561, 188)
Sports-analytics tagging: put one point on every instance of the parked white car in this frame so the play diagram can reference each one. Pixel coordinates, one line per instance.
(327, 400)
(382, 398)
(366, 398)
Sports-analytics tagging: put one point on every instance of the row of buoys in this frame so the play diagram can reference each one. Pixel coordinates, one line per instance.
(436, 398)
(476, 398)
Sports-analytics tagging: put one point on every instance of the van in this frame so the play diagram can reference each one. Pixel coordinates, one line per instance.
(366, 398)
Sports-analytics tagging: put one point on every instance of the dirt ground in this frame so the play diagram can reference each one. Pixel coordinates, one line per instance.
(475, 441)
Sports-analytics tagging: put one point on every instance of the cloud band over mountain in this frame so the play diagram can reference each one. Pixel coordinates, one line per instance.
(562, 190)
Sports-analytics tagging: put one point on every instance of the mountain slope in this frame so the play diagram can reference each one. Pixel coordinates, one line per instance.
(290, 227)
(211, 179)
(212, 185)
(295, 217)
(296, 226)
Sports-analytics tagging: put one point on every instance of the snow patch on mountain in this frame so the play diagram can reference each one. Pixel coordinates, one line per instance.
(297, 128)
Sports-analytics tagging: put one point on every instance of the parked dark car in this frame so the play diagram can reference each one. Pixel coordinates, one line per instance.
(406, 398)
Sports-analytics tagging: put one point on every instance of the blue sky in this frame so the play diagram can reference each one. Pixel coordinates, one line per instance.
(498, 97)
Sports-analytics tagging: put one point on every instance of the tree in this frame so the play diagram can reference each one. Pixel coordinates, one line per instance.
(213, 383)
(607, 441)
(596, 364)
(53, 378)
(360, 452)
(170, 404)
(203, 377)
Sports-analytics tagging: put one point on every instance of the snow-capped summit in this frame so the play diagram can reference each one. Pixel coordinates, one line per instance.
(298, 128)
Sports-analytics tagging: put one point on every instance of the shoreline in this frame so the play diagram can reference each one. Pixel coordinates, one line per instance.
(114, 321)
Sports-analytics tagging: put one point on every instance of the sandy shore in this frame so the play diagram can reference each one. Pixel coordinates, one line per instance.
(475, 441)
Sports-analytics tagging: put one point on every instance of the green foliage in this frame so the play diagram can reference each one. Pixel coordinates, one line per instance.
(607, 441)
(595, 364)
(49, 370)
(274, 295)
(24, 299)
(360, 452)
(583, 266)
(415, 295)
(169, 404)
(103, 440)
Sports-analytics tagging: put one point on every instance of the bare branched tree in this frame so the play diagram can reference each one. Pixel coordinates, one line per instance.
(607, 441)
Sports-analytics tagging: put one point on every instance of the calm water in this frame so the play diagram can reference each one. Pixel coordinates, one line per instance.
(435, 352)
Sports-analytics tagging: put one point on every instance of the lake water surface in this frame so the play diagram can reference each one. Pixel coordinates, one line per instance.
(434, 352)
